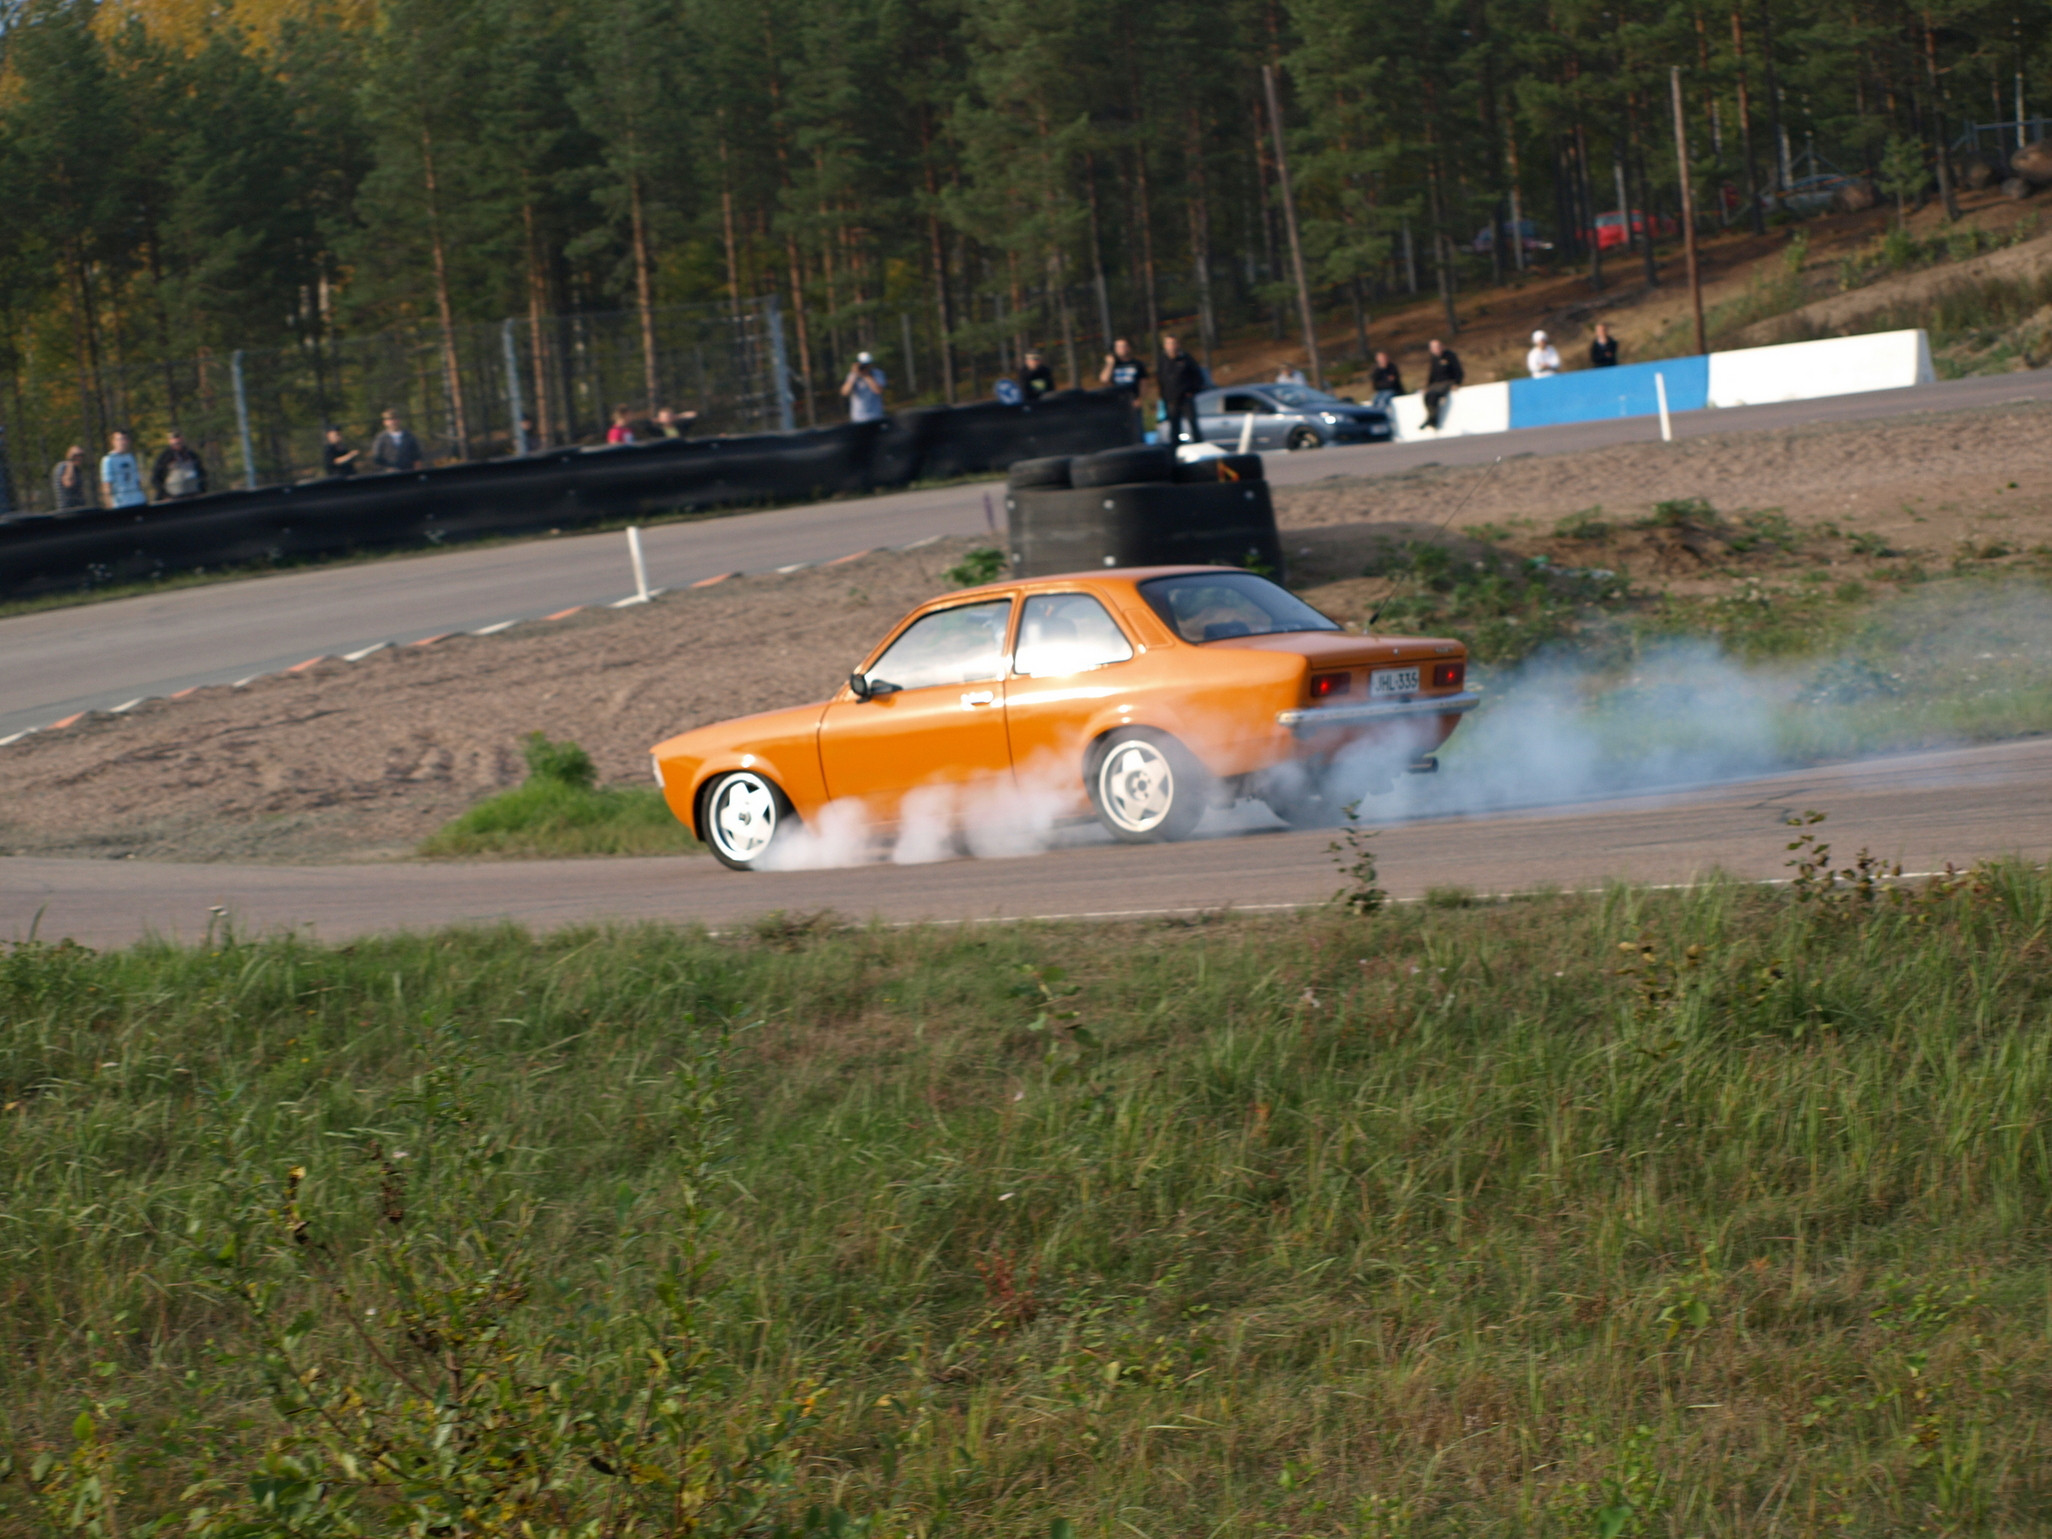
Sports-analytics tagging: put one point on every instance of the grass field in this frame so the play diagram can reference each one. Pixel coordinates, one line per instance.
(1713, 1212)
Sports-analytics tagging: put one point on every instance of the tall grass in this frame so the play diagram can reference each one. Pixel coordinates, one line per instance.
(560, 809)
(1714, 1212)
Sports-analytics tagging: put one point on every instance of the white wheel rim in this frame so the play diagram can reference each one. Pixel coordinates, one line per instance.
(743, 816)
(1137, 786)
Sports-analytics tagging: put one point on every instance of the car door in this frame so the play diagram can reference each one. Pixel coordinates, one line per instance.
(943, 723)
(1241, 404)
(1071, 657)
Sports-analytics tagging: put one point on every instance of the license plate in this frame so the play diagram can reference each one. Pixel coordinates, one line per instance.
(1392, 681)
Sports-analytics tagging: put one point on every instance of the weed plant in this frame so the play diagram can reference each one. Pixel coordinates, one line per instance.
(560, 809)
(1713, 1212)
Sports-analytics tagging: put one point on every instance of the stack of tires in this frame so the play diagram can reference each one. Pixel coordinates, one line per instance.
(1140, 507)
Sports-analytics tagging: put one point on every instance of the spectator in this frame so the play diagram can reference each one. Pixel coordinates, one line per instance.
(178, 471)
(1123, 372)
(120, 476)
(1543, 360)
(1036, 379)
(1289, 374)
(1387, 381)
(529, 440)
(337, 457)
(395, 447)
(671, 423)
(71, 483)
(622, 430)
(1444, 378)
(1182, 378)
(1603, 351)
(864, 388)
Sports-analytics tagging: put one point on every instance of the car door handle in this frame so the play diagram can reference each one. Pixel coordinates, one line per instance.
(980, 697)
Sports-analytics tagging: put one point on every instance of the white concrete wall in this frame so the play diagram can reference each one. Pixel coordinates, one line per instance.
(1802, 371)
(1470, 409)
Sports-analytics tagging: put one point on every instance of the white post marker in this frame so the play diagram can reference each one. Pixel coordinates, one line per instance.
(640, 566)
(1247, 433)
(1666, 425)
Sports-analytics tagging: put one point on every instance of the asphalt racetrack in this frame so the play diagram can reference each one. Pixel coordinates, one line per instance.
(1922, 809)
(101, 656)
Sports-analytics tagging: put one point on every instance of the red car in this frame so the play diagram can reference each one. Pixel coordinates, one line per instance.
(1610, 228)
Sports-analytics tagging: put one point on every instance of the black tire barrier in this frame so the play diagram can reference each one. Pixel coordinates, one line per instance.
(1123, 467)
(1156, 523)
(1225, 467)
(1047, 472)
(557, 489)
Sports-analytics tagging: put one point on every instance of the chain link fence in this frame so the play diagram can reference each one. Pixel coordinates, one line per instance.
(260, 418)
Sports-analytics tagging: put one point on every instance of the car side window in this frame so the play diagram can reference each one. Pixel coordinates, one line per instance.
(964, 645)
(1246, 403)
(1062, 633)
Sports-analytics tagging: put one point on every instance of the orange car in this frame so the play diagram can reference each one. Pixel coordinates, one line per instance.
(1144, 695)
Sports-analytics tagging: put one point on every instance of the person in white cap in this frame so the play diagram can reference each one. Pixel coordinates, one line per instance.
(1543, 361)
(864, 388)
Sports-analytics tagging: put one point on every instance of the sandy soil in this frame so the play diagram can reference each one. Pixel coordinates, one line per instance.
(360, 761)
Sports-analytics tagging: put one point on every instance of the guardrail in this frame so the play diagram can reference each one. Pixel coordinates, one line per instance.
(559, 489)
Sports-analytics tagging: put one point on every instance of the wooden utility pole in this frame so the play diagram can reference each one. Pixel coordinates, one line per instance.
(1688, 192)
(1282, 175)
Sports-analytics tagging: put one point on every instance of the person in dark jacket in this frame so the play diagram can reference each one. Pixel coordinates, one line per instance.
(71, 482)
(1036, 379)
(1446, 376)
(1387, 381)
(395, 447)
(178, 471)
(1182, 378)
(338, 457)
(1603, 351)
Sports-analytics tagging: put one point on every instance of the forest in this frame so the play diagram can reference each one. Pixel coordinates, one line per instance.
(449, 190)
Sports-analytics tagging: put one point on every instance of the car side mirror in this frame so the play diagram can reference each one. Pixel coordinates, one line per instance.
(860, 684)
(867, 688)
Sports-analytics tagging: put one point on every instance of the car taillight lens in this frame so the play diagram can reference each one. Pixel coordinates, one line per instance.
(1325, 685)
(1448, 675)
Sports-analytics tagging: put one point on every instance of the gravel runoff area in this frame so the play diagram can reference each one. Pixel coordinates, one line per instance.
(353, 761)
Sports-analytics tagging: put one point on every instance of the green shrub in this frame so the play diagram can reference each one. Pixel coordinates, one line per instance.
(977, 567)
(560, 810)
(565, 763)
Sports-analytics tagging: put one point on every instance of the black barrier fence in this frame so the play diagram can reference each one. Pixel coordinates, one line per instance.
(558, 489)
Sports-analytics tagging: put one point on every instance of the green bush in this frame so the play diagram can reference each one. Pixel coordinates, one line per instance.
(977, 567)
(560, 810)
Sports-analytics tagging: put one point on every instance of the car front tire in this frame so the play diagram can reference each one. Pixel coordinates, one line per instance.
(1147, 788)
(741, 817)
(1305, 438)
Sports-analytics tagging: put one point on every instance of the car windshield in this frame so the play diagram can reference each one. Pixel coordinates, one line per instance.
(1300, 396)
(1217, 606)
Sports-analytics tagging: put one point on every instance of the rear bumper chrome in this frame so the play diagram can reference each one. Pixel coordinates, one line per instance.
(1325, 718)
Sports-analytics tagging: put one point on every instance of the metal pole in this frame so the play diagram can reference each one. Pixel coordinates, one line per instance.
(1666, 426)
(640, 566)
(242, 420)
(1688, 192)
(520, 444)
(911, 367)
(779, 366)
(1282, 175)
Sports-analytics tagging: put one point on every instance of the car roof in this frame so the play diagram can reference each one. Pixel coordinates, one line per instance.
(1116, 574)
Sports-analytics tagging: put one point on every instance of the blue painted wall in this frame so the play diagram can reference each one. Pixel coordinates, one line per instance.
(1589, 395)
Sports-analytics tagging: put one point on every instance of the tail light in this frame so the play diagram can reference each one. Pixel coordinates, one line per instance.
(1448, 675)
(1325, 685)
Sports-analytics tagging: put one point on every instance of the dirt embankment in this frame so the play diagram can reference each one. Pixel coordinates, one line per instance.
(361, 760)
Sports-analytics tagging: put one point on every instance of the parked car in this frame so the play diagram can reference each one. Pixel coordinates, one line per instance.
(1528, 232)
(1142, 695)
(1610, 228)
(1288, 417)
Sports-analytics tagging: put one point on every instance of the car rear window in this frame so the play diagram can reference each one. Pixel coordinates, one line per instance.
(1217, 606)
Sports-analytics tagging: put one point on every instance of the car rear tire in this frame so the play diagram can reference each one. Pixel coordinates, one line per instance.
(741, 816)
(1303, 804)
(1147, 788)
(1305, 438)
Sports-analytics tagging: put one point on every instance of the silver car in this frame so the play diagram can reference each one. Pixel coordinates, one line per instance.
(1287, 417)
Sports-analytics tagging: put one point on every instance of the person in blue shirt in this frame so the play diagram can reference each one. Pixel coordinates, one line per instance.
(120, 474)
(864, 388)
